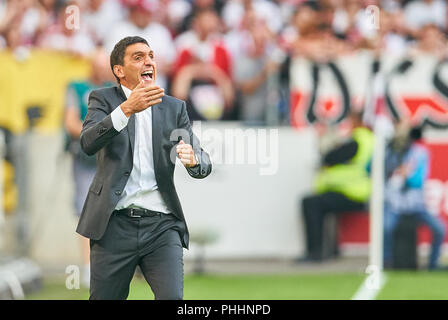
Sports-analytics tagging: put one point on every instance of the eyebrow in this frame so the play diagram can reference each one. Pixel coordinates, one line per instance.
(141, 52)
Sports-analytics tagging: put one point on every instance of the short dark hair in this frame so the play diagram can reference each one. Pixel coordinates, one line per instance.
(117, 55)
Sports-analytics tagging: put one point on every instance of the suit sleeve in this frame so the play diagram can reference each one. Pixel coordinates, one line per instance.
(205, 166)
(97, 129)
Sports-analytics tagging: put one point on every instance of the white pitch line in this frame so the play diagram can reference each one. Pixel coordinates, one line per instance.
(371, 287)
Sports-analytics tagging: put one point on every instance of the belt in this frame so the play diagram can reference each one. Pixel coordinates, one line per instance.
(137, 212)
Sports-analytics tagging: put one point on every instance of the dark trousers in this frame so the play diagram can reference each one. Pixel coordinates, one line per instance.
(314, 209)
(153, 243)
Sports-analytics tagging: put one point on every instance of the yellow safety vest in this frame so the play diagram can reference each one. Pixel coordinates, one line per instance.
(351, 179)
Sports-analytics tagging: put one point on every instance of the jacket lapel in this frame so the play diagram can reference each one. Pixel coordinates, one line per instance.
(131, 131)
(157, 119)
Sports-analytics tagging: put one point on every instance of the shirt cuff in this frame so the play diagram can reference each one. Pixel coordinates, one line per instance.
(119, 119)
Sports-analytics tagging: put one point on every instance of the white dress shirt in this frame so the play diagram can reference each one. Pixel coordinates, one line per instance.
(141, 190)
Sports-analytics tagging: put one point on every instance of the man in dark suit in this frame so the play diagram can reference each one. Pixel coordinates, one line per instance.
(132, 214)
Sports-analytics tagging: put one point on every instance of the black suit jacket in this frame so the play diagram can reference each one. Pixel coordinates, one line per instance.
(114, 152)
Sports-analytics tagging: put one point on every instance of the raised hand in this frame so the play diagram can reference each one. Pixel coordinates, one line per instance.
(186, 154)
(142, 97)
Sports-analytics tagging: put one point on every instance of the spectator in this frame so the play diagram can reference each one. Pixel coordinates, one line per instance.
(431, 41)
(346, 20)
(12, 37)
(100, 16)
(140, 23)
(394, 33)
(407, 168)
(303, 21)
(27, 17)
(268, 11)
(236, 40)
(320, 45)
(202, 73)
(10, 26)
(84, 167)
(173, 14)
(287, 8)
(68, 33)
(419, 13)
(342, 185)
(197, 6)
(308, 36)
(252, 71)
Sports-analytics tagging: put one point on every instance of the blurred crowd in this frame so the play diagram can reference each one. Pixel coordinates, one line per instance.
(228, 59)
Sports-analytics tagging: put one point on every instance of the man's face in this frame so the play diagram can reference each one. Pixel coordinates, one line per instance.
(138, 64)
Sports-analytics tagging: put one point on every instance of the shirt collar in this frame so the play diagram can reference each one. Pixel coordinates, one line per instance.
(127, 91)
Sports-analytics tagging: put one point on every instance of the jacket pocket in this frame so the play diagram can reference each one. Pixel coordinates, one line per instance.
(96, 187)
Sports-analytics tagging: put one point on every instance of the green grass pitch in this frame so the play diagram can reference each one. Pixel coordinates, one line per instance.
(399, 285)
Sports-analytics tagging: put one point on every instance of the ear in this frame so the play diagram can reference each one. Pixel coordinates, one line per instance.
(118, 71)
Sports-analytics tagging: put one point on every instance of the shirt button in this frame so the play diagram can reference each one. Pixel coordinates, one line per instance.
(118, 192)
(127, 173)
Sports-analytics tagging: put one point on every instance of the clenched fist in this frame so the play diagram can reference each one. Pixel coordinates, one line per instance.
(142, 97)
(186, 154)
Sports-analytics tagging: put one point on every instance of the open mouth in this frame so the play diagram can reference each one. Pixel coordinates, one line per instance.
(147, 75)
